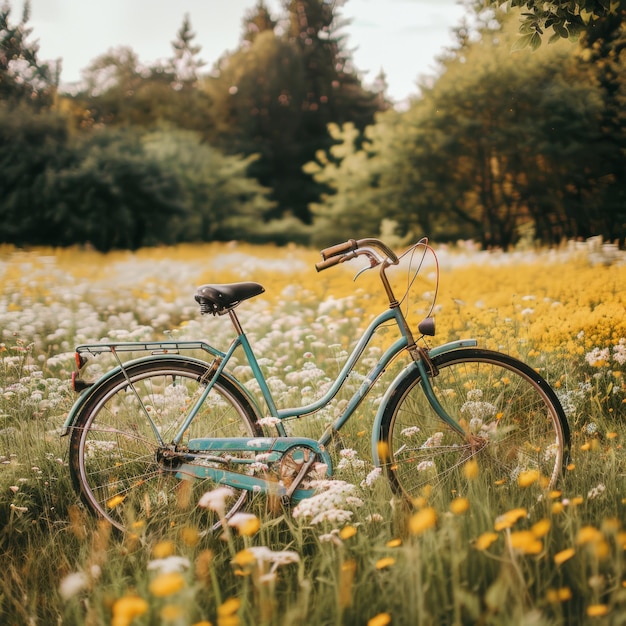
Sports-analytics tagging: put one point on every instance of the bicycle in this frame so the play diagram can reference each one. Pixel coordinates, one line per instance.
(152, 434)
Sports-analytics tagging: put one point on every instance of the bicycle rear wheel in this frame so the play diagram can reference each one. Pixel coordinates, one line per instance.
(118, 466)
(514, 423)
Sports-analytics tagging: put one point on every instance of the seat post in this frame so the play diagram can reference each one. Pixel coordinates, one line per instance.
(235, 320)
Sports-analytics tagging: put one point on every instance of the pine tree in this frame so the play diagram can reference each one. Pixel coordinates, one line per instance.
(185, 64)
(256, 21)
(22, 77)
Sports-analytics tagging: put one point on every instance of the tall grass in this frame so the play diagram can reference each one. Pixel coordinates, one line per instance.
(510, 554)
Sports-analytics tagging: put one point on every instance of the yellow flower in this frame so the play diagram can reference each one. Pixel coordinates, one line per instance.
(383, 451)
(557, 507)
(247, 524)
(601, 549)
(422, 521)
(163, 549)
(227, 612)
(346, 532)
(114, 501)
(597, 610)
(171, 613)
(202, 623)
(126, 609)
(243, 558)
(190, 536)
(562, 594)
(167, 584)
(394, 543)
(470, 469)
(528, 477)
(506, 520)
(610, 524)
(459, 505)
(385, 562)
(228, 607)
(525, 541)
(541, 528)
(587, 534)
(382, 619)
(564, 555)
(485, 540)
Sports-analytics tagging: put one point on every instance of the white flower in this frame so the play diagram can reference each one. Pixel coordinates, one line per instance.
(619, 352)
(596, 491)
(336, 516)
(410, 431)
(269, 421)
(433, 441)
(240, 520)
(169, 564)
(372, 477)
(262, 555)
(597, 356)
(72, 584)
(425, 465)
(216, 499)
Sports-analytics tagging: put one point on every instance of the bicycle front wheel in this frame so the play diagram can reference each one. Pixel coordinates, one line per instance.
(514, 426)
(122, 471)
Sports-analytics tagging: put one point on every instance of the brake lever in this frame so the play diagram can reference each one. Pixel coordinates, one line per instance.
(372, 265)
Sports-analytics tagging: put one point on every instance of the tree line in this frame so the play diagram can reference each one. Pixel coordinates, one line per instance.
(280, 140)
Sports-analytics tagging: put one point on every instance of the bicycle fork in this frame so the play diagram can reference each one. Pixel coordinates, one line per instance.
(428, 370)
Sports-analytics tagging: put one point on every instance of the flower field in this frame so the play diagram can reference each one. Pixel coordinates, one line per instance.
(352, 554)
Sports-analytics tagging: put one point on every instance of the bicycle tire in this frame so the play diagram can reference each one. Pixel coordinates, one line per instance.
(514, 417)
(114, 453)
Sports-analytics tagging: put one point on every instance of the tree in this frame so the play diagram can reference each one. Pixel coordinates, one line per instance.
(185, 65)
(499, 143)
(34, 144)
(256, 21)
(23, 78)
(565, 18)
(351, 206)
(602, 55)
(119, 91)
(219, 195)
(277, 93)
(114, 194)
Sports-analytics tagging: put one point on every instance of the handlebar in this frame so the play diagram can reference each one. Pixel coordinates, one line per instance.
(372, 248)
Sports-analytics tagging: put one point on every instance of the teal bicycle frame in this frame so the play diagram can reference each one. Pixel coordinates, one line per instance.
(277, 446)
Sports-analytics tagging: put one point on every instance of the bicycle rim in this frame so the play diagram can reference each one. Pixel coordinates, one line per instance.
(516, 430)
(117, 463)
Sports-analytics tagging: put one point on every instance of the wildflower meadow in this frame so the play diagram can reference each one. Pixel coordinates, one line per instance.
(515, 553)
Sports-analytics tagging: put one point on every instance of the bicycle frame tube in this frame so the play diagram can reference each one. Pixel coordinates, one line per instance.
(222, 360)
(390, 314)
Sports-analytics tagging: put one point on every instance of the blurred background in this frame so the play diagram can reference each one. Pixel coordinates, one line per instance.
(513, 136)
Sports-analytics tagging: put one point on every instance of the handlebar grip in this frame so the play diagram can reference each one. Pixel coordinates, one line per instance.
(340, 248)
(326, 263)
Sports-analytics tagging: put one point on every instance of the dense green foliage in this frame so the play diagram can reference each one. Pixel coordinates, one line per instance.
(280, 141)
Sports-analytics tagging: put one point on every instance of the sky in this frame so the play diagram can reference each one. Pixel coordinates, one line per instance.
(402, 37)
